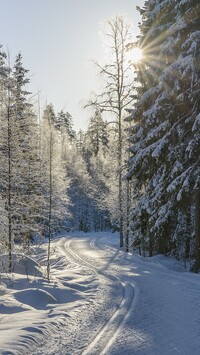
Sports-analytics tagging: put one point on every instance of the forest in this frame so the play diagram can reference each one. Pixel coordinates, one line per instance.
(135, 170)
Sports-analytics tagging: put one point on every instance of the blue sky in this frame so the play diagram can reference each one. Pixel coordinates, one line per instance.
(57, 39)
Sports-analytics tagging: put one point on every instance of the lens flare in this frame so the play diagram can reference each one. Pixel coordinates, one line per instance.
(135, 55)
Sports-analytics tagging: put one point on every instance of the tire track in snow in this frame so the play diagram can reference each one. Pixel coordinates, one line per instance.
(95, 246)
(107, 334)
(92, 245)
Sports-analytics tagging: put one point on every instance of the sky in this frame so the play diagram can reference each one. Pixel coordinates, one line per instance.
(58, 40)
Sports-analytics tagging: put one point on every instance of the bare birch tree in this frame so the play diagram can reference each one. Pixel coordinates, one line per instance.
(116, 97)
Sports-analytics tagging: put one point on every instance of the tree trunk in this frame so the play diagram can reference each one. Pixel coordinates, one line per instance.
(196, 267)
(121, 239)
(120, 212)
(50, 206)
(9, 190)
(127, 214)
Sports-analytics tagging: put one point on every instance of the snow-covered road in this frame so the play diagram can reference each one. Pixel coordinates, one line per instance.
(159, 312)
(104, 301)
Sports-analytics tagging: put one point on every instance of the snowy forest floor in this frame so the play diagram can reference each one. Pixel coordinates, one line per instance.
(100, 300)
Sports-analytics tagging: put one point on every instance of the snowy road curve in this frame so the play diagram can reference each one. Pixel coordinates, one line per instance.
(159, 312)
(105, 337)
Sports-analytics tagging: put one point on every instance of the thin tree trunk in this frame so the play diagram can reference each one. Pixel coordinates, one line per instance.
(9, 189)
(197, 230)
(127, 214)
(50, 207)
(41, 226)
(121, 239)
(120, 156)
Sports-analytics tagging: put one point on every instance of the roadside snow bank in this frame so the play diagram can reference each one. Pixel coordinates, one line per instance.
(32, 310)
(21, 264)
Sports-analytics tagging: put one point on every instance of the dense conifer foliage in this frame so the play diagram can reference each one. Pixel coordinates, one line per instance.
(165, 138)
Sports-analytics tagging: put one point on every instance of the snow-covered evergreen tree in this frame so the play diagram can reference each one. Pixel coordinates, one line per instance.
(96, 146)
(164, 160)
(55, 182)
(4, 73)
(64, 123)
(55, 175)
(17, 156)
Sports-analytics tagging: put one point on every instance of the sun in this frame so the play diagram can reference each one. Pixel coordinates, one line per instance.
(135, 55)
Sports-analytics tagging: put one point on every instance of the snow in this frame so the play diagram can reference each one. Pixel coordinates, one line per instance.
(196, 124)
(100, 300)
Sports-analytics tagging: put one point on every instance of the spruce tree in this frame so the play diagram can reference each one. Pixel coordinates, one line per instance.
(163, 170)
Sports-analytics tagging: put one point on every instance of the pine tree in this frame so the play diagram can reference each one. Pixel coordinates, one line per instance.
(64, 123)
(96, 133)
